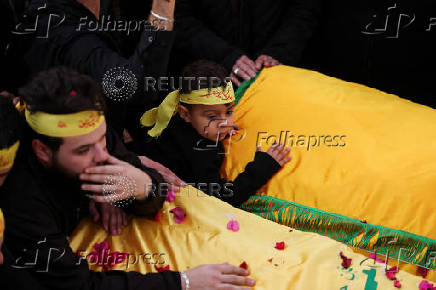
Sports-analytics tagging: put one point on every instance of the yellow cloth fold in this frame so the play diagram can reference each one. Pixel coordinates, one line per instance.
(64, 125)
(383, 171)
(160, 117)
(7, 156)
(2, 225)
(309, 261)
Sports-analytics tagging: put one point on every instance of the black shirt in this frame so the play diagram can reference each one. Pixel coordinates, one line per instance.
(197, 160)
(40, 208)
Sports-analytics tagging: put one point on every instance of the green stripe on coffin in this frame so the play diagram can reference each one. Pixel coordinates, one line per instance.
(407, 247)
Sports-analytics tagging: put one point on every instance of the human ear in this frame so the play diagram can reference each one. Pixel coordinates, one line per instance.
(42, 152)
(184, 113)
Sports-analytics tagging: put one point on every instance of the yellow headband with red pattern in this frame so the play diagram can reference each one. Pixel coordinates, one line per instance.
(64, 125)
(160, 117)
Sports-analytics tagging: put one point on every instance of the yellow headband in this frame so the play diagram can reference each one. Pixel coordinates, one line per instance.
(64, 125)
(7, 156)
(161, 116)
(2, 224)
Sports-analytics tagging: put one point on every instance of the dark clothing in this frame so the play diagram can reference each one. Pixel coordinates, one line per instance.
(198, 160)
(353, 44)
(13, 278)
(41, 209)
(209, 29)
(67, 35)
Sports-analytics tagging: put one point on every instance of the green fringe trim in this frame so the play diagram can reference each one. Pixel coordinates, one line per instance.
(395, 244)
(243, 87)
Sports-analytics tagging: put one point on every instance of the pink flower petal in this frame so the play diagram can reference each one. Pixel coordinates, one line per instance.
(233, 225)
(179, 215)
(390, 273)
(171, 195)
(374, 257)
(397, 284)
(280, 245)
(425, 285)
(161, 269)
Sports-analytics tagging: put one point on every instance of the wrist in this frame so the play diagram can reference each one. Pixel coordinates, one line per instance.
(184, 280)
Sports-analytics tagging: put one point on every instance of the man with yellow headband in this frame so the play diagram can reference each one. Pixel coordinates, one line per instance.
(42, 198)
(68, 150)
(188, 130)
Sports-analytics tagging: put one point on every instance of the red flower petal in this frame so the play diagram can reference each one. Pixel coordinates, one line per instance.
(157, 217)
(421, 271)
(179, 215)
(346, 262)
(161, 269)
(397, 284)
(233, 225)
(280, 245)
(171, 196)
(73, 93)
(270, 260)
(243, 265)
(391, 273)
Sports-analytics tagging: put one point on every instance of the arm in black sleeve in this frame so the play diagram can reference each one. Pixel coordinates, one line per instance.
(194, 37)
(256, 174)
(95, 54)
(153, 203)
(298, 24)
(42, 249)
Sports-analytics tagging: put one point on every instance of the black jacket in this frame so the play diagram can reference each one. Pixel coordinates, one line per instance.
(65, 36)
(41, 209)
(351, 43)
(198, 162)
(209, 29)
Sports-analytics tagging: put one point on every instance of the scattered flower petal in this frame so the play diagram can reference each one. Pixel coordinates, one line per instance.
(280, 245)
(397, 284)
(346, 262)
(179, 215)
(425, 285)
(103, 257)
(374, 257)
(171, 195)
(270, 260)
(390, 273)
(161, 269)
(421, 271)
(243, 265)
(233, 225)
(157, 217)
(73, 93)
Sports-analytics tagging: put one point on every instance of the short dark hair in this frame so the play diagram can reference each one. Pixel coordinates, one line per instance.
(10, 123)
(203, 74)
(61, 90)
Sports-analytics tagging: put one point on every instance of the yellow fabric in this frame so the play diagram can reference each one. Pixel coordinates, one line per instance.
(160, 117)
(2, 225)
(7, 156)
(64, 125)
(309, 261)
(383, 171)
